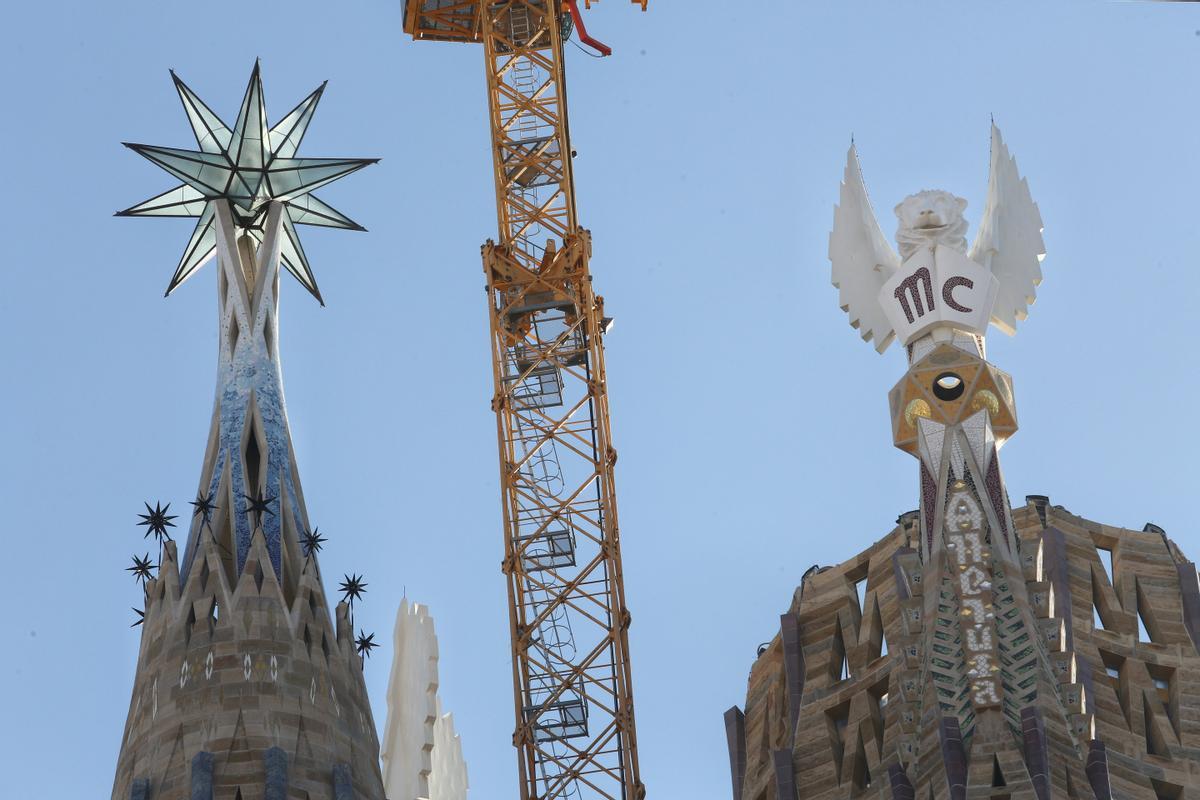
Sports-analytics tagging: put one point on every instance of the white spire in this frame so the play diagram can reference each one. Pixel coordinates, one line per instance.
(422, 755)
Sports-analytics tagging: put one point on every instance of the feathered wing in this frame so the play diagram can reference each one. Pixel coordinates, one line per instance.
(862, 258)
(1009, 242)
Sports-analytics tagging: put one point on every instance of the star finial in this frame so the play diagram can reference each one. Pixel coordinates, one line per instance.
(248, 166)
(311, 542)
(142, 569)
(157, 521)
(203, 507)
(352, 588)
(365, 643)
(258, 505)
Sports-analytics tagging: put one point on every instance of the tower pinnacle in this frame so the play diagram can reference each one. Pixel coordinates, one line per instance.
(953, 410)
(246, 168)
(249, 190)
(978, 650)
(245, 685)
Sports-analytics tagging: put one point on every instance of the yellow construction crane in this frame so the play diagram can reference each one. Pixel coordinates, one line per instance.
(572, 686)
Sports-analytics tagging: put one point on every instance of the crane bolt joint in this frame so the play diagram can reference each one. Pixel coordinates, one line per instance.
(624, 717)
(521, 736)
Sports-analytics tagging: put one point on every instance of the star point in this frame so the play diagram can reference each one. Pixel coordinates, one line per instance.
(352, 588)
(156, 521)
(365, 643)
(258, 505)
(203, 507)
(142, 569)
(311, 542)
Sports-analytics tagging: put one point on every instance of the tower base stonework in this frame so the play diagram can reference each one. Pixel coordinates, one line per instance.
(246, 691)
(853, 699)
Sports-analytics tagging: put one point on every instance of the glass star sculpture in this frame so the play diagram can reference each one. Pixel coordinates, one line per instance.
(248, 166)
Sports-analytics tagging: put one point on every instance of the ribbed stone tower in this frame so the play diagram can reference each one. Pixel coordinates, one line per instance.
(976, 651)
(246, 687)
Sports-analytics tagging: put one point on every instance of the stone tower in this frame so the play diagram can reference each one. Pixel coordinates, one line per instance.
(977, 651)
(860, 693)
(247, 688)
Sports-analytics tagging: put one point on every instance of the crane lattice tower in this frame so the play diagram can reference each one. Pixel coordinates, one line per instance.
(569, 623)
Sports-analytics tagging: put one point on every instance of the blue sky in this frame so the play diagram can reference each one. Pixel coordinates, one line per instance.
(751, 422)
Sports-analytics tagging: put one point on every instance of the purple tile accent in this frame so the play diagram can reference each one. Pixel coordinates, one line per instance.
(953, 757)
(1056, 564)
(928, 505)
(140, 789)
(785, 778)
(1190, 591)
(1083, 667)
(735, 736)
(902, 788)
(793, 667)
(1097, 770)
(1033, 732)
(1055, 542)
(995, 493)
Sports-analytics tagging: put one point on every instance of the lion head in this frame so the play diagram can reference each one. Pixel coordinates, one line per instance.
(928, 218)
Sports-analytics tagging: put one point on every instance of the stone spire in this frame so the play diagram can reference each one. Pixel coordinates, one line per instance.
(246, 686)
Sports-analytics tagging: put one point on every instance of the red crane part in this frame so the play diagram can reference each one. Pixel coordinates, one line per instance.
(599, 47)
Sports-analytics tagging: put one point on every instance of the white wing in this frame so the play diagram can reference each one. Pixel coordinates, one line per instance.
(862, 258)
(1009, 242)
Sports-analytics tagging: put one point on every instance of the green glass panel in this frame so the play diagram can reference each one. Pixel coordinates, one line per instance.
(212, 135)
(308, 209)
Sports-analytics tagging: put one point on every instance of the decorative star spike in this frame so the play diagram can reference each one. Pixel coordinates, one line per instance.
(157, 521)
(203, 507)
(141, 617)
(248, 166)
(142, 569)
(365, 644)
(352, 588)
(258, 505)
(311, 542)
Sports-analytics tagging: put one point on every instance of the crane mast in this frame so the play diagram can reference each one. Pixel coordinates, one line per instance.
(572, 686)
